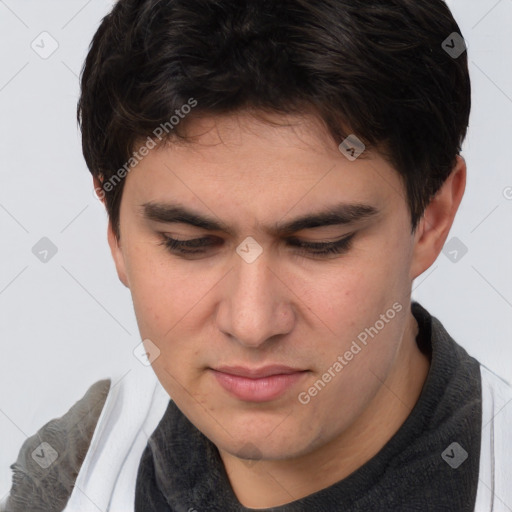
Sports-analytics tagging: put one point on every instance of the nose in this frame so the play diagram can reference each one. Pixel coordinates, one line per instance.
(256, 306)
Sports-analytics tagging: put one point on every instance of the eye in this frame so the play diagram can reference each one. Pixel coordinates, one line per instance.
(323, 248)
(187, 247)
(199, 246)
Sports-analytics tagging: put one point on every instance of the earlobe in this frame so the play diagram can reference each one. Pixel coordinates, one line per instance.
(117, 255)
(98, 189)
(437, 220)
(115, 248)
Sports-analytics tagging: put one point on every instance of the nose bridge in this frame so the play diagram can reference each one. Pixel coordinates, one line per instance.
(253, 309)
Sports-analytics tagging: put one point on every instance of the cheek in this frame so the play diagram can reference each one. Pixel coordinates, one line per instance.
(162, 291)
(344, 297)
(347, 304)
(382, 275)
(169, 302)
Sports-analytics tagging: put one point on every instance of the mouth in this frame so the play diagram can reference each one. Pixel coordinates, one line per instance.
(257, 384)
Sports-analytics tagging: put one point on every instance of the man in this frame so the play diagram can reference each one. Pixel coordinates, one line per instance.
(276, 175)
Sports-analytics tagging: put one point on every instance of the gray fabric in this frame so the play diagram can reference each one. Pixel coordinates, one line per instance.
(181, 469)
(36, 488)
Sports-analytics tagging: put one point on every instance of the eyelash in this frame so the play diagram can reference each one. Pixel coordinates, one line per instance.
(196, 245)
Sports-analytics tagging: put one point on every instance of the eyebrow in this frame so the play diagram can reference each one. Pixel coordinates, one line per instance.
(340, 214)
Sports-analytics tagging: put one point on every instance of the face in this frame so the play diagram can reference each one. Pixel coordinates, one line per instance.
(226, 300)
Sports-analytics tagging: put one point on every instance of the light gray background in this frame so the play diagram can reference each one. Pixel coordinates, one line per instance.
(69, 322)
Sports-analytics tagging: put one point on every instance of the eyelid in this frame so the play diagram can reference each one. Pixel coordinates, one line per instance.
(199, 247)
(321, 242)
(294, 239)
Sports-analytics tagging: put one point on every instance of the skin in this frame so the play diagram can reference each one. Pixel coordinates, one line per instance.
(286, 307)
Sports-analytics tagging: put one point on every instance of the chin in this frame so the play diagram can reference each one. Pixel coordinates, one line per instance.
(268, 441)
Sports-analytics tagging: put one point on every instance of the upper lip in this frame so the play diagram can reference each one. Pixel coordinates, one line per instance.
(255, 373)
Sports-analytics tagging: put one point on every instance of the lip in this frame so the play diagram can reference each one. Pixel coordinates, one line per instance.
(256, 373)
(257, 384)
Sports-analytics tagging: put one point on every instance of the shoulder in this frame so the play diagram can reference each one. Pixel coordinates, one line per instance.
(49, 461)
(494, 490)
(495, 381)
(496, 400)
(496, 404)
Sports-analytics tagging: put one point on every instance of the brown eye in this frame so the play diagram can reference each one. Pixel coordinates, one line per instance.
(323, 248)
(193, 246)
(198, 246)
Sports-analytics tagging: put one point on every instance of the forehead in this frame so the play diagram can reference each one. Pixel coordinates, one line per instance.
(279, 163)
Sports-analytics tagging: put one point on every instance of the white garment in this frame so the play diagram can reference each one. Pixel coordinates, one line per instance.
(494, 493)
(137, 402)
(106, 481)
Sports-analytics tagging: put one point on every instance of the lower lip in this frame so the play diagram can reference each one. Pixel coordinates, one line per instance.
(263, 389)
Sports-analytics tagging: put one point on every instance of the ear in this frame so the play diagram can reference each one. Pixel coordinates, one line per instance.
(437, 220)
(113, 242)
(98, 190)
(117, 254)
